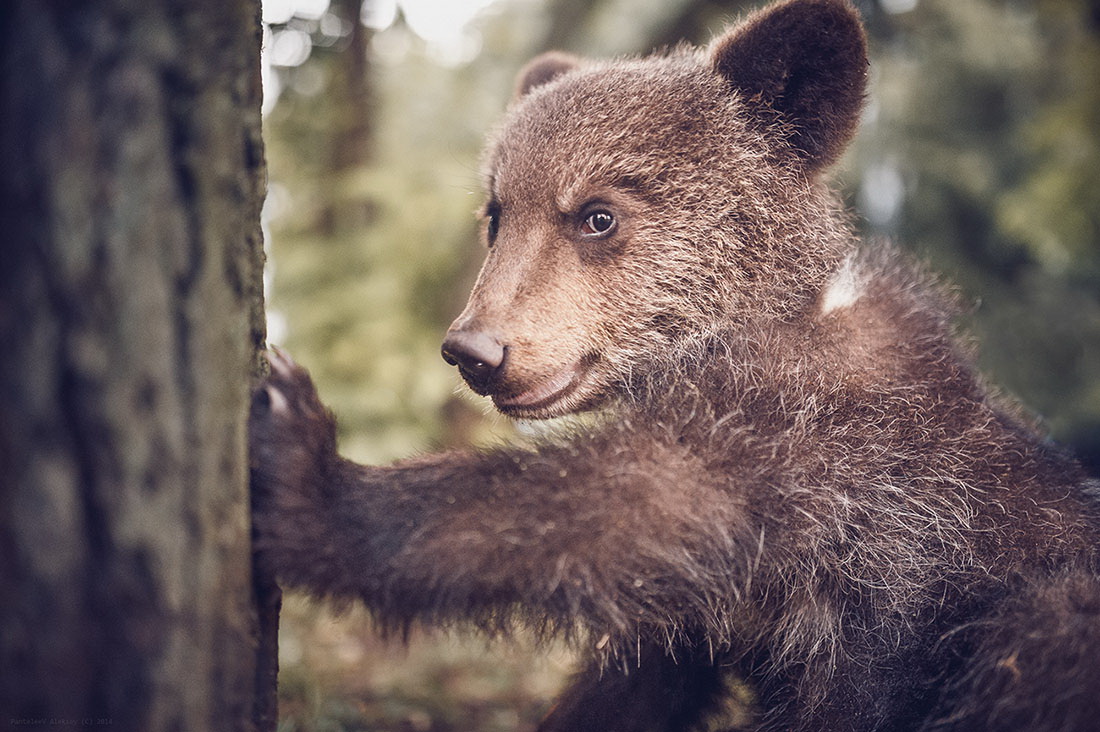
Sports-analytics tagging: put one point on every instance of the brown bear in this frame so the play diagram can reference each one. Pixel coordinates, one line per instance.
(793, 476)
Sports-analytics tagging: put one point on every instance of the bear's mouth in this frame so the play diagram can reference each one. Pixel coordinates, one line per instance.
(545, 393)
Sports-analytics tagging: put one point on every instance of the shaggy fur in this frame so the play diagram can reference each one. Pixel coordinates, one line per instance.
(797, 478)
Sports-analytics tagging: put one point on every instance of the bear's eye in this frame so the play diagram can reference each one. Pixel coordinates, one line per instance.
(492, 222)
(598, 223)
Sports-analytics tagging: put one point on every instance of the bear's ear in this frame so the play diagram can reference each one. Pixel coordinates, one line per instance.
(542, 70)
(804, 61)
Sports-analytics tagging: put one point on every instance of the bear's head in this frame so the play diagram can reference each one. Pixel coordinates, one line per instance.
(636, 203)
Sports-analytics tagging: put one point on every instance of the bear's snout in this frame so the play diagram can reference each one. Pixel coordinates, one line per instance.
(477, 354)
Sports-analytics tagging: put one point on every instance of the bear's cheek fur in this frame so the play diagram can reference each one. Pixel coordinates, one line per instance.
(555, 359)
(538, 301)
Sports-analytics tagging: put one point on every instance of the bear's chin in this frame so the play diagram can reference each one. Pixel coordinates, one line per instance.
(571, 390)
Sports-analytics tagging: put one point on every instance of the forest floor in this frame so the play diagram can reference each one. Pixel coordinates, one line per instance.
(337, 674)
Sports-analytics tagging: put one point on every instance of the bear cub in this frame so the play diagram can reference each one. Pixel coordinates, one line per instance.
(795, 480)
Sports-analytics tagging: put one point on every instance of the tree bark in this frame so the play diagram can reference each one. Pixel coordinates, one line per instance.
(131, 319)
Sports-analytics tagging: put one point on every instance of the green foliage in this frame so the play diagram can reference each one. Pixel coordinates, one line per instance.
(988, 111)
(371, 258)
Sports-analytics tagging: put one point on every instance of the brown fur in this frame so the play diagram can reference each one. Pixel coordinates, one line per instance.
(797, 478)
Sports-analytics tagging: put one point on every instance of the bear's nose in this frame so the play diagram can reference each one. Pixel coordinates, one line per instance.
(476, 353)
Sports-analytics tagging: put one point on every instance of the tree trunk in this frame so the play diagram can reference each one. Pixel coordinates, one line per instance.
(130, 325)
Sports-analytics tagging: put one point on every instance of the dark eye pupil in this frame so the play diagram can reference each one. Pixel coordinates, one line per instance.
(600, 222)
(492, 224)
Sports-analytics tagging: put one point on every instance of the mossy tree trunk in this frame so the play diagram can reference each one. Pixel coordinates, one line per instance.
(130, 321)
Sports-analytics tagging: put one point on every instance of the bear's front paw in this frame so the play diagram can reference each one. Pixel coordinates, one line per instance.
(292, 448)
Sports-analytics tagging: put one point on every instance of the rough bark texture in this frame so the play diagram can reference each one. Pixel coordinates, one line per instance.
(130, 318)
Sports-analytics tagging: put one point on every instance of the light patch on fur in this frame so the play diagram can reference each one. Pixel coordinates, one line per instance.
(844, 287)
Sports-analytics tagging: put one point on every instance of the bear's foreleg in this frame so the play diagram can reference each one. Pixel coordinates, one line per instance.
(619, 536)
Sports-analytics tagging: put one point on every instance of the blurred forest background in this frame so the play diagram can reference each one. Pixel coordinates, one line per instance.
(979, 151)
